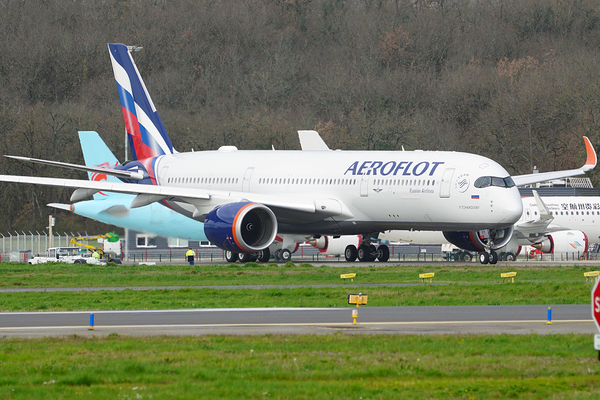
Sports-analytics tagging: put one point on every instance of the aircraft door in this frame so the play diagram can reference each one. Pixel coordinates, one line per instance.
(246, 182)
(364, 186)
(445, 184)
(163, 173)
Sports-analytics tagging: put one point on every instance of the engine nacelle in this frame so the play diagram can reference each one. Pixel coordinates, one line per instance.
(241, 227)
(335, 245)
(564, 242)
(477, 241)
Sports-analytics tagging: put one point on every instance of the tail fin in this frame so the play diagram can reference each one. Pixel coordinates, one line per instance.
(97, 154)
(147, 135)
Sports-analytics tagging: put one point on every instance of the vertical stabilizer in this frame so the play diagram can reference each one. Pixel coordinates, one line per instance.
(147, 135)
(97, 154)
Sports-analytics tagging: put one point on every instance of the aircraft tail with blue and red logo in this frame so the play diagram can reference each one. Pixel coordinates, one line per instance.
(147, 135)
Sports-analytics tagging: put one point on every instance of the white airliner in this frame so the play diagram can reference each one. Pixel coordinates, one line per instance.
(247, 198)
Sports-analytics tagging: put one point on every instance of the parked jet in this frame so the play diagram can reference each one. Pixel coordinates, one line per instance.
(245, 198)
(115, 208)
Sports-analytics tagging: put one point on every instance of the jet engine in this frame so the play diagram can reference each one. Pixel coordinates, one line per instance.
(241, 227)
(564, 242)
(481, 240)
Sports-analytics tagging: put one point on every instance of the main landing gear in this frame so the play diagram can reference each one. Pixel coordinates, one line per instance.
(488, 258)
(260, 256)
(367, 253)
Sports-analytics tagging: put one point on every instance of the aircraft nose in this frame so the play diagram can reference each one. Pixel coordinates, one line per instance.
(512, 206)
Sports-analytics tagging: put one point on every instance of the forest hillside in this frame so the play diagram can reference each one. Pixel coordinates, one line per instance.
(514, 80)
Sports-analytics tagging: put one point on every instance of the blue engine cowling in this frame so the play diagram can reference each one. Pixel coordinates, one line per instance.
(478, 241)
(241, 227)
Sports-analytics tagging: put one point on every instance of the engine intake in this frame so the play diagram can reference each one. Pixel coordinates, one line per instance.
(241, 227)
(479, 240)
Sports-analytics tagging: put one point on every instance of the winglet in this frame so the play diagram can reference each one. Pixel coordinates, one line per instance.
(544, 214)
(590, 163)
(591, 160)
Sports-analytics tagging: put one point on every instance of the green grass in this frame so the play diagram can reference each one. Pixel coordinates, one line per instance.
(301, 367)
(423, 295)
(463, 285)
(16, 275)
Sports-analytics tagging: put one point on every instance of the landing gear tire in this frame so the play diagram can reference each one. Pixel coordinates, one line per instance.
(493, 257)
(363, 253)
(247, 257)
(484, 257)
(509, 257)
(285, 255)
(264, 255)
(466, 257)
(383, 253)
(350, 253)
(79, 262)
(231, 257)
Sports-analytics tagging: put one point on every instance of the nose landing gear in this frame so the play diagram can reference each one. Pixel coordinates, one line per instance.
(490, 257)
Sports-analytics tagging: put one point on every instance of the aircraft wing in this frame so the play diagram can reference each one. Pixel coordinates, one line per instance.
(203, 200)
(590, 163)
(115, 172)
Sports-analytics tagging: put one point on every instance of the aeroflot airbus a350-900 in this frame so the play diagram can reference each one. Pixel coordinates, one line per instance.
(246, 198)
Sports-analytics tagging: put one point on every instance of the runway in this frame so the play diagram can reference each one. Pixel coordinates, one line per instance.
(517, 319)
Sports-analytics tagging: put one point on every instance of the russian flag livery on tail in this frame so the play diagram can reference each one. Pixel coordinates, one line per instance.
(147, 135)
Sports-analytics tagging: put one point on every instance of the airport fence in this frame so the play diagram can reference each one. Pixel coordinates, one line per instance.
(20, 246)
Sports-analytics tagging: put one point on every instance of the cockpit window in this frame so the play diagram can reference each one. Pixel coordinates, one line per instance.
(485, 181)
(497, 182)
(509, 182)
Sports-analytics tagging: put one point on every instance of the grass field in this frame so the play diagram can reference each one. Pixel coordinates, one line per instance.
(336, 366)
(462, 285)
(81, 275)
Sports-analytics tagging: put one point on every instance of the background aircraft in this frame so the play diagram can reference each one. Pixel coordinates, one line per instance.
(115, 208)
(552, 224)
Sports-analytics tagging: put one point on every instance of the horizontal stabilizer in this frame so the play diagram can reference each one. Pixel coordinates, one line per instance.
(60, 206)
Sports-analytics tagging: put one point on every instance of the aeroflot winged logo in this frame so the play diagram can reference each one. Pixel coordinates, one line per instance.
(97, 177)
(462, 183)
(404, 168)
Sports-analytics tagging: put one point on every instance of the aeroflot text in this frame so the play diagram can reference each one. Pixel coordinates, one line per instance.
(393, 168)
